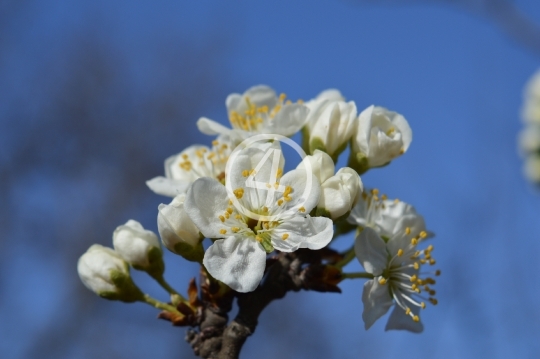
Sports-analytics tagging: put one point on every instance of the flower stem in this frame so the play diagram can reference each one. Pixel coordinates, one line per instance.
(357, 275)
(162, 282)
(160, 305)
(349, 256)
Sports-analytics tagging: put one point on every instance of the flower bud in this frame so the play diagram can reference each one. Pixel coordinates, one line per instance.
(178, 233)
(379, 137)
(330, 123)
(139, 247)
(104, 272)
(321, 165)
(339, 194)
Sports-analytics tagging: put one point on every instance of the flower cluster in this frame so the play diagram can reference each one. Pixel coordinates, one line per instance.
(529, 138)
(236, 205)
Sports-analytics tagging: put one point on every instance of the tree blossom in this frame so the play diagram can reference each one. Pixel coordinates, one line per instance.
(258, 111)
(379, 137)
(106, 273)
(339, 192)
(194, 162)
(331, 122)
(139, 247)
(397, 280)
(265, 210)
(178, 232)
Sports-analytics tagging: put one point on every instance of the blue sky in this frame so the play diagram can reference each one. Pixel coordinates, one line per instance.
(455, 76)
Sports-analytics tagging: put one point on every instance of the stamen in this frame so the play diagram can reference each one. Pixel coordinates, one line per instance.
(285, 236)
(222, 231)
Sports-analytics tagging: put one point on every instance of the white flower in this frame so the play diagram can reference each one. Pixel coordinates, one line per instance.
(178, 232)
(331, 122)
(104, 272)
(265, 211)
(321, 165)
(385, 216)
(258, 111)
(340, 193)
(531, 168)
(139, 247)
(529, 140)
(379, 137)
(194, 162)
(531, 108)
(395, 265)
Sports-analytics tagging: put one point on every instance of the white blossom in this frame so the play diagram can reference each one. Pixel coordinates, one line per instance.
(194, 162)
(331, 122)
(104, 272)
(340, 193)
(265, 210)
(258, 111)
(379, 137)
(178, 232)
(320, 163)
(139, 247)
(397, 280)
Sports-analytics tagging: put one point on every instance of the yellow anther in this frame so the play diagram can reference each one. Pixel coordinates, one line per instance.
(423, 234)
(382, 281)
(396, 201)
(402, 151)
(263, 109)
(222, 219)
(407, 311)
(408, 230)
(416, 266)
(224, 146)
(268, 185)
(230, 210)
(423, 261)
(230, 203)
(433, 301)
(417, 290)
(430, 247)
(384, 197)
(300, 101)
(279, 202)
(235, 229)
(279, 173)
(285, 236)
(438, 272)
(414, 278)
(432, 261)
(288, 102)
(416, 318)
(375, 198)
(423, 305)
(414, 286)
(432, 292)
(288, 190)
(375, 191)
(364, 196)
(282, 96)
(185, 165)
(185, 156)
(227, 215)
(239, 192)
(414, 241)
(302, 209)
(258, 238)
(211, 155)
(238, 216)
(245, 173)
(390, 131)
(222, 231)
(400, 252)
(265, 209)
(215, 142)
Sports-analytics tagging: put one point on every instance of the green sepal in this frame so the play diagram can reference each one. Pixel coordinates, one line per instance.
(191, 253)
(127, 290)
(316, 144)
(156, 267)
(358, 162)
(305, 139)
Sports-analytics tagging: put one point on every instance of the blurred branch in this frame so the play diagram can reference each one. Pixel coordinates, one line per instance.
(502, 12)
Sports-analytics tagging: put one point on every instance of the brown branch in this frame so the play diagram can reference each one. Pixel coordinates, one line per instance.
(290, 272)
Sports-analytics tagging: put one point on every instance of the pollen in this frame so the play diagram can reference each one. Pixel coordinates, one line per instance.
(416, 318)
(432, 261)
(285, 236)
(416, 265)
(438, 272)
(382, 281)
(222, 219)
(235, 229)
(400, 252)
(265, 209)
(375, 191)
(414, 278)
(423, 234)
(414, 241)
(258, 238)
(280, 202)
(238, 216)
(423, 305)
(239, 192)
(408, 230)
(407, 311)
(433, 301)
(245, 173)
(222, 231)
(302, 209)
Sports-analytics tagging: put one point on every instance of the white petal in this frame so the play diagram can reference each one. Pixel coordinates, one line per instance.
(303, 232)
(360, 142)
(377, 301)
(206, 200)
(289, 120)
(330, 94)
(133, 242)
(260, 95)
(321, 164)
(403, 126)
(370, 250)
(211, 127)
(306, 190)
(236, 261)
(400, 321)
(167, 187)
(174, 225)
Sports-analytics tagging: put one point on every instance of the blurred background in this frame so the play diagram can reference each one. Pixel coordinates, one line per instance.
(94, 95)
